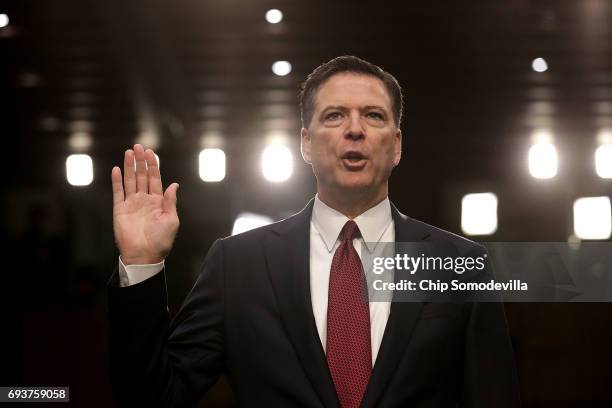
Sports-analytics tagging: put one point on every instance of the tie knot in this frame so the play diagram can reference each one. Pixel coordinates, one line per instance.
(349, 231)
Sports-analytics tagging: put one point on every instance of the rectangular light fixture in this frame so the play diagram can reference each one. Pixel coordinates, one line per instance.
(277, 163)
(79, 170)
(543, 160)
(479, 214)
(592, 218)
(212, 165)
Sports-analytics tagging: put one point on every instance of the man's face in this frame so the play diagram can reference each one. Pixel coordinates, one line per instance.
(352, 141)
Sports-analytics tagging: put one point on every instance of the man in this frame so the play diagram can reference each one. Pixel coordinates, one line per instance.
(279, 309)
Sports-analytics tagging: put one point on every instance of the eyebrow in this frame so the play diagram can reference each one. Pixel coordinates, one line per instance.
(340, 107)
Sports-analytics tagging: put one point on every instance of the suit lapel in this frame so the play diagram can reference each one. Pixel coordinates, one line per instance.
(288, 259)
(401, 322)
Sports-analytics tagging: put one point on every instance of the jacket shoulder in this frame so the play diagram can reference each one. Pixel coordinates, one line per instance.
(438, 235)
(257, 235)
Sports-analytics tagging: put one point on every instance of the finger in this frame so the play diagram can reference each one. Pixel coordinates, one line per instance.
(155, 183)
(129, 177)
(118, 195)
(169, 201)
(141, 170)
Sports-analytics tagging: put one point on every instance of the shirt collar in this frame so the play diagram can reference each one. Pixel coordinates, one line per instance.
(372, 223)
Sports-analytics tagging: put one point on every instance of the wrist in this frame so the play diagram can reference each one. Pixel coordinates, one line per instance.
(131, 260)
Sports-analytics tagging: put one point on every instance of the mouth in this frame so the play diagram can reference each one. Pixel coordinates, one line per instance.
(354, 160)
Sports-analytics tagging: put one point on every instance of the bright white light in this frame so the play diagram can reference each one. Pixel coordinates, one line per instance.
(543, 160)
(479, 214)
(592, 218)
(281, 68)
(79, 169)
(277, 163)
(539, 65)
(4, 20)
(603, 161)
(212, 165)
(248, 221)
(274, 16)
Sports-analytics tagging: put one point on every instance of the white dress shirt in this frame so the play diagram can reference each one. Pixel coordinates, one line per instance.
(376, 225)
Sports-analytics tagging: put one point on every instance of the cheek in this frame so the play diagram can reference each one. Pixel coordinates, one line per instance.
(386, 154)
(323, 150)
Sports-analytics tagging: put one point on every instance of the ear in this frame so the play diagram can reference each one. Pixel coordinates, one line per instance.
(305, 145)
(398, 148)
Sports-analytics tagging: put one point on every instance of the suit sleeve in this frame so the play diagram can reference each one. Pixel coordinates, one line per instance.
(490, 378)
(158, 363)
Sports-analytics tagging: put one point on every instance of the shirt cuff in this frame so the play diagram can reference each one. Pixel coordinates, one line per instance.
(133, 274)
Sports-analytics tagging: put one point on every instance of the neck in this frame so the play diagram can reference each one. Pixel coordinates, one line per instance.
(352, 203)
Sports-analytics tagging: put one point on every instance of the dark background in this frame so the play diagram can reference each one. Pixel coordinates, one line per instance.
(183, 71)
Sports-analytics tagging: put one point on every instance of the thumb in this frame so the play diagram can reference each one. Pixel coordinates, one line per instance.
(169, 201)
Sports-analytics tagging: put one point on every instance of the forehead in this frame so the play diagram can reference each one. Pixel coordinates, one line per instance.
(351, 89)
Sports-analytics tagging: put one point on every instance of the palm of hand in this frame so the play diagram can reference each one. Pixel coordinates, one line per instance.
(145, 220)
(143, 228)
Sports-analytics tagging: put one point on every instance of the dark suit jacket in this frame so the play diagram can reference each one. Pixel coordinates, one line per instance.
(249, 315)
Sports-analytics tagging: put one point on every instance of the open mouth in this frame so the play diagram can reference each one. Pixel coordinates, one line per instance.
(354, 156)
(354, 160)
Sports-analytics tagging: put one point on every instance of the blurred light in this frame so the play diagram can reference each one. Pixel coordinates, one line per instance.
(214, 111)
(603, 161)
(79, 169)
(248, 221)
(211, 139)
(541, 108)
(278, 110)
(542, 136)
(274, 16)
(281, 68)
(604, 137)
(157, 159)
(80, 141)
(592, 218)
(4, 20)
(539, 65)
(543, 160)
(573, 242)
(277, 96)
(213, 125)
(273, 124)
(81, 112)
(49, 123)
(148, 139)
(212, 165)
(29, 80)
(603, 107)
(479, 214)
(277, 138)
(81, 126)
(277, 163)
(82, 98)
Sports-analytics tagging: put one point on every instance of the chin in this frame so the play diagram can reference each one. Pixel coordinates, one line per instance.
(357, 182)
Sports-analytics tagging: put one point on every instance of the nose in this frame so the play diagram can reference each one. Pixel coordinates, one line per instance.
(354, 128)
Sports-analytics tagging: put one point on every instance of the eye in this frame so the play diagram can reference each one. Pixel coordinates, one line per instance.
(333, 116)
(375, 115)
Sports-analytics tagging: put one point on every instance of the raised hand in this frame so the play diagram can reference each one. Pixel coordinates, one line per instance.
(144, 216)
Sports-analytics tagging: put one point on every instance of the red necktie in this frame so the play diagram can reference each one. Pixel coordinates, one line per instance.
(349, 353)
